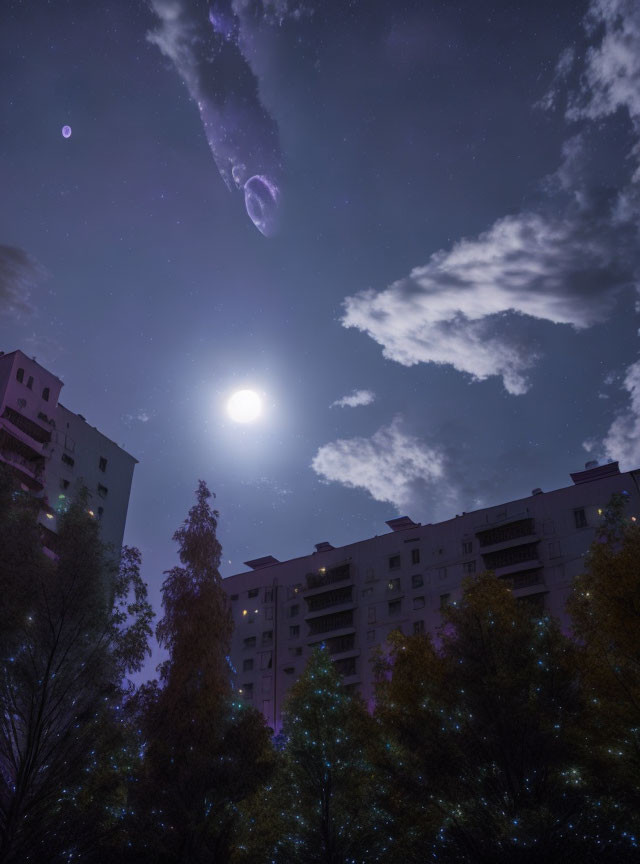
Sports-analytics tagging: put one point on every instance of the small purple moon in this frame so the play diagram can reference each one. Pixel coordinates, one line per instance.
(66, 131)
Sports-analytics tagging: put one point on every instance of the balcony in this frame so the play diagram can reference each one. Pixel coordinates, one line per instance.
(524, 579)
(338, 644)
(512, 555)
(335, 597)
(328, 623)
(27, 426)
(506, 533)
(327, 577)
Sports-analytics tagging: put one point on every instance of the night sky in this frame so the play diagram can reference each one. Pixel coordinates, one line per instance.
(435, 294)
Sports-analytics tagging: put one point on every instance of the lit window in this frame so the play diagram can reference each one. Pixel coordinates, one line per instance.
(415, 556)
(102, 464)
(20, 375)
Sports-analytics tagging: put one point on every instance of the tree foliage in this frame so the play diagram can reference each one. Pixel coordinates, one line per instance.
(78, 626)
(320, 807)
(484, 738)
(203, 750)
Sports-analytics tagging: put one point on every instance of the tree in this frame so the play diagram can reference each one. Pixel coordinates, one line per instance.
(204, 751)
(605, 613)
(84, 627)
(320, 806)
(486, 736)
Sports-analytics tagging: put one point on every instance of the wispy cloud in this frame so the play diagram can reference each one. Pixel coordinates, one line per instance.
(139, 416)
(622, 441)
(355, 399)
(392, 465)
(19, 274)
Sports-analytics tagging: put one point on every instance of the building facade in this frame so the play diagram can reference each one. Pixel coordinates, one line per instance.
(350, 598)
(55, 452)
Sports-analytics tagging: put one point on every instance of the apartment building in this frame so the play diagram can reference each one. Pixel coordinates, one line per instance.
(54, 452)
(351, 597)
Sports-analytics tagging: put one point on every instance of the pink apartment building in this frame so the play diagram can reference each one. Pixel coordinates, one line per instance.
(54, 452)
(351, 597)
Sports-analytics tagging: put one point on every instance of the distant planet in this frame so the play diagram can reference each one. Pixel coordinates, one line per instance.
(66, 131)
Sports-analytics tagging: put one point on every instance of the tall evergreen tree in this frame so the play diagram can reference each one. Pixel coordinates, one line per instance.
(203, 751)
(320, 807)
(84, 627)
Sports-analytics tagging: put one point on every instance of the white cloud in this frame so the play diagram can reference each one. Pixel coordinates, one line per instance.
(355, 399)
(611, 78)
(139, 416)
(622, 441)
(391, 466)
(562, 269)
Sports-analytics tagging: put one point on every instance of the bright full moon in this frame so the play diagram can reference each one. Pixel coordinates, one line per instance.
(245, 406)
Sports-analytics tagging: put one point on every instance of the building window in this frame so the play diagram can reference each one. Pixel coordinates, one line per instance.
(394, 584)
(266, 661)
(418, 602)
(267, 637)
(394, 562)
(289, 670)
(371, 615)
(68, 460)
(253, 592)
(418, 627)
(444, 600)
(294, 610)
(395, 607)
(370, 575)
(296, 652)
(371, 635)
(467, 547)
(268, 613)
(20, 375)
(250, 642)
(102, 464)
(247, 665)
(247, 690)
(268, 595)
(30, 382)
(442, 572)
(100, 512)
(234, 598)
(580, 518)
(555, 550)
(64, 484)
(417, 581)
(367, 592)
(294, 631)
(415, 556)
(45, 394)
(102, 490)
(469, 567)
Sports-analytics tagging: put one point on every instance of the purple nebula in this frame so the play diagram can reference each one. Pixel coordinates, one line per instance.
(261, 197)
(66, 131)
